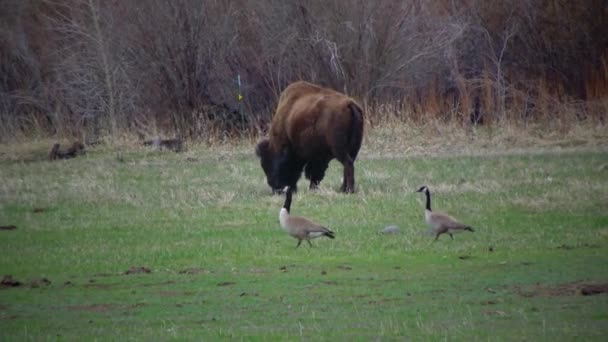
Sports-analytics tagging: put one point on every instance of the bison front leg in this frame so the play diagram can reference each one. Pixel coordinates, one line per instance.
(315, 171)
(348, 181)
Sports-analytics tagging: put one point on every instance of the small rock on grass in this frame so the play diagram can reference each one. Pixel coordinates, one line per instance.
(390, 230)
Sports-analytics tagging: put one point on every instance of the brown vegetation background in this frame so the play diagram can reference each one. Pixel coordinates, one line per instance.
(89, 68)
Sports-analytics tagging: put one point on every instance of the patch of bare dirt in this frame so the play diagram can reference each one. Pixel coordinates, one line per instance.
(168, 282)
(9, 281)
(104, 307)
(594, 289)
(226, 283)
(569, 247)
(194, 270)
(38, 210)
(136, 270)
(578, 288)
(94, 307)
(9, 227)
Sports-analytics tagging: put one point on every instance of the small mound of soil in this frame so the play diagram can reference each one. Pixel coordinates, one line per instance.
(38, 210)
(135, 270)
(567, 289)
(226, 283)
(8, 281)
(104, 307)
(590, 290)
(9, 227)
(569, 247)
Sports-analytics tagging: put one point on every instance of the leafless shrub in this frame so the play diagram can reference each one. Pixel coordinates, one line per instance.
(85, 68)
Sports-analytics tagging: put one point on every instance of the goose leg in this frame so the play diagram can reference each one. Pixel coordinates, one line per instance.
(451, 236)
(299, 242)
(310, 243)
(437, 236)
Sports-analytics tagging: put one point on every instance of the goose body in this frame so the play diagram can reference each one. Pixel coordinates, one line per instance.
(298, 227)
(441, 223)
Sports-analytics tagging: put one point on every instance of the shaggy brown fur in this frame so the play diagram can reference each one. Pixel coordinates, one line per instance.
(311, 126)
(76, 149)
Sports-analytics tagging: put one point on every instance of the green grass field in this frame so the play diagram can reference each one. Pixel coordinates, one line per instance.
(206, 226)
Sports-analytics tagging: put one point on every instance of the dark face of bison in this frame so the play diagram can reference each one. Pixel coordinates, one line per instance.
(281, 169)
(262, 150)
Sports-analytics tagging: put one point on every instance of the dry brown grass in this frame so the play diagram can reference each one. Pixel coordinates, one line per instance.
(391, 136)
(399, 138)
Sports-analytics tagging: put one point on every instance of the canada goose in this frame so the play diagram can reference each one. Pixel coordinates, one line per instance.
(440, 223)
(299, 227)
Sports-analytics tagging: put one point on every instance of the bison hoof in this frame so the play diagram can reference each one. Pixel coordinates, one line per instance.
(347, 190)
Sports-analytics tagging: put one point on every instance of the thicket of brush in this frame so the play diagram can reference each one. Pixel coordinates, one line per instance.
(88, 68)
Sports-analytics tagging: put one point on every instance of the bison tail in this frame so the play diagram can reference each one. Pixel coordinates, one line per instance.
(356, 129)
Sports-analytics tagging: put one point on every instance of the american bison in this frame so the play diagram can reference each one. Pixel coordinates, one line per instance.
(311, 126)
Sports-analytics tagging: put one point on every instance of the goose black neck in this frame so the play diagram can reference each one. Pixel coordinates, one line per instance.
(287, 204)
(428, 199)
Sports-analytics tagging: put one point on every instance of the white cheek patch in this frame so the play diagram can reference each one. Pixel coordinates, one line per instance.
(315, 235)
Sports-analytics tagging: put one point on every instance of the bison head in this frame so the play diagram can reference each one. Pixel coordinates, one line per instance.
(281, 168)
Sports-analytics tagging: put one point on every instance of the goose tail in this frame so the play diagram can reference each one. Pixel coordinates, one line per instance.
(329, 234)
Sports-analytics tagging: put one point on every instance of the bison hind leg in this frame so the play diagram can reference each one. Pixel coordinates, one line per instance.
(315, 171)
(348, 181)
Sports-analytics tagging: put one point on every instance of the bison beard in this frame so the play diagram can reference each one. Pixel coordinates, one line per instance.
(312, 126)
